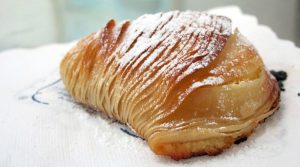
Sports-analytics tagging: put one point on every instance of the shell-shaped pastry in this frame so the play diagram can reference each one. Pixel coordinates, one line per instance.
(181, 80)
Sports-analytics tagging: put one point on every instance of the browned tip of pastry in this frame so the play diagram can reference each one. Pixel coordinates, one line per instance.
(181, 80)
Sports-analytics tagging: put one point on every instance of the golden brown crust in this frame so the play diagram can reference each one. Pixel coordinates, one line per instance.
(181, 80)
(215, 146)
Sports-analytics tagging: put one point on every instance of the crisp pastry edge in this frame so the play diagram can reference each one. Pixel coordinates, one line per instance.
(215, 146)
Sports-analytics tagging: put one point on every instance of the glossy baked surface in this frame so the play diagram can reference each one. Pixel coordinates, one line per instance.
(181, 80)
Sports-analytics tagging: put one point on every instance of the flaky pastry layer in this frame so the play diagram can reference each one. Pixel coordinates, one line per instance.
(180, 80)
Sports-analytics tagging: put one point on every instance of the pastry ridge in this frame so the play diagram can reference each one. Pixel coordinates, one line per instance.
(181, 80)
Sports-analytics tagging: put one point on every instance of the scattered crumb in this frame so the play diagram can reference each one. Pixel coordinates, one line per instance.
(280, 77)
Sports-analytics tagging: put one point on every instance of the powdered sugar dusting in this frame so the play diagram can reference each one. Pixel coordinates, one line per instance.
(155, 28)
(208, 81)
(161, 50)
(242, 39)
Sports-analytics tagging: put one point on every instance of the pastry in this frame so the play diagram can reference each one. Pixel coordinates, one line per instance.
(183, 81)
